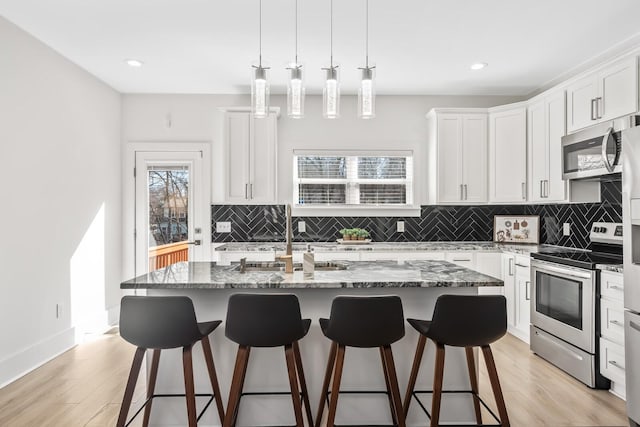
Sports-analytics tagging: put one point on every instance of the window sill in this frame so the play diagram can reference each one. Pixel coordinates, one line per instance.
(356, 211)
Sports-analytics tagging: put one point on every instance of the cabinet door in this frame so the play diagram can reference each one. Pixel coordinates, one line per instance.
(523, 295)
(556, 128)
(508, 156)
(237, 135)
(449, 146)
(538, 152)
(263, 159)
(618, 88)
(509, 278)
(464, 259)
(474, 158)
(580, 108)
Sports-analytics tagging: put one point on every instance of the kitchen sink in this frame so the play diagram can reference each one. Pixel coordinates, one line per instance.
(280, 266)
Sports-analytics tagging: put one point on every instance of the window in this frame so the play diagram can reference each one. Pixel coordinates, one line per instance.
(365, 179)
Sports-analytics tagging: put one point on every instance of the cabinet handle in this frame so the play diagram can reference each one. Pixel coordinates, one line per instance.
(461, 259)
(616, 364)
(246, 191)
(527, 295)
(616, 322)
(466, 196)
(546, 186)
(251, 191)
(511, 262)
(593, 109)
(616, 287)
(541, 189)
(598, 107)
(524, 191)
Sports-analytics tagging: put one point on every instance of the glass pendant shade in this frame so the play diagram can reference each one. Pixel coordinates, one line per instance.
(331, 95)
(367, 95)
(259, 92)
(295, 93)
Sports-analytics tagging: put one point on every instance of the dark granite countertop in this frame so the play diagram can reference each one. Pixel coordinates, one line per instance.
(358, 274)
(382, 247)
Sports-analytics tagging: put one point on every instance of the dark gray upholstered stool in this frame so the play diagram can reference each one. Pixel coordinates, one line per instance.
(161, 323)
(365, 322)
(461, 321)
(267, 320)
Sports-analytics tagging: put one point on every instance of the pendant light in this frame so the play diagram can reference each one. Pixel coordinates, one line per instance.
(366, 91)
(295, 87)
(260, 84)
(331, 91)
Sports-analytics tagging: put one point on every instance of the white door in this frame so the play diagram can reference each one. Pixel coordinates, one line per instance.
(556, 129)
(618, 90)
(449, 179)
(474, 158)
(538, 151)
(172, 212)
(581, 97)
(508, 156)
(263, 160)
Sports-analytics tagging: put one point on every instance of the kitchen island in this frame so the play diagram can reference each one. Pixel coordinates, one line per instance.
(209, 285)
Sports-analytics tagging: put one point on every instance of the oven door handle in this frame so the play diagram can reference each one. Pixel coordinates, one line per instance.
(567, 272)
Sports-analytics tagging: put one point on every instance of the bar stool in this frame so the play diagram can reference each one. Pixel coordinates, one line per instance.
(365, 322)
(161, 323)
(461, 321)
(271, 320)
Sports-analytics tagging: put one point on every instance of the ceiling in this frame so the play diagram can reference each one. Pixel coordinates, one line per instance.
(419, 46)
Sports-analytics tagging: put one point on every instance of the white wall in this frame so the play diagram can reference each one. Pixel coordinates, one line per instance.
(400, 124)
(60, 143)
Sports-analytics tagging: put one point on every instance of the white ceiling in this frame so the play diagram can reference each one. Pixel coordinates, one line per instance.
(419, 46)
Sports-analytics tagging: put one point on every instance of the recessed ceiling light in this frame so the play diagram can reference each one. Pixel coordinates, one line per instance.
(134, 63)
(479, 65)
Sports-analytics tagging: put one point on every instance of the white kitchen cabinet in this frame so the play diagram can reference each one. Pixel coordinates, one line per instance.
(508, 155)
(603, 95)
(464, 259)
(458, 169)
(517, 291)
(545, 129)
(490, 263)
(251, 156)
(612, 356)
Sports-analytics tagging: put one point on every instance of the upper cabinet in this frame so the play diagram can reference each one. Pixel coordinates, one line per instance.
(603, 95)
(508, 154)
(458, 157)
(251, 158)
(546, 127)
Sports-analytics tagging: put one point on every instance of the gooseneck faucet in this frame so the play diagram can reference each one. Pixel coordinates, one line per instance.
(288, 257)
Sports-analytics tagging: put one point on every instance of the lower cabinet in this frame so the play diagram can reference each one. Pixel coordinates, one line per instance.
(612, 358)
(517, 290)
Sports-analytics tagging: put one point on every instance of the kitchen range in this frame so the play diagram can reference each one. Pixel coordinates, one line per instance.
(565, 308)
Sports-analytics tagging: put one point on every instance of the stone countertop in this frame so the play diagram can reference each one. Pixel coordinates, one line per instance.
(383, 247)
(358, 274)
(615, 268)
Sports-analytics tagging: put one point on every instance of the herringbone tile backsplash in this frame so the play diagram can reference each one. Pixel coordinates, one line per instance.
(253, 223)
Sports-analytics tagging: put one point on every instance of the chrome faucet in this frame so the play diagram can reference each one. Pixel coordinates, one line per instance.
(288, 257)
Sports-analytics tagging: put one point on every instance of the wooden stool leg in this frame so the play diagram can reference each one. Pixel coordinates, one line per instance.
(335, 389)
(303, 383)
(473, 379)
(393, 382)
(211, 367)
(495, 385)
(131, 386)
(422, 341)
(437, 385)
(386, 381)
(325, 384)
(151, 387)
(187, 362)
(239, 371)
(293, 384)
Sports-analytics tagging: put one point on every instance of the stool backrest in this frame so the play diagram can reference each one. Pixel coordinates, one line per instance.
(158, 322)
(359, 321)
(264, 320)
(469, 320)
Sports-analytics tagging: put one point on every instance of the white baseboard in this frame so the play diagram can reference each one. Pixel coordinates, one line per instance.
(30, 358)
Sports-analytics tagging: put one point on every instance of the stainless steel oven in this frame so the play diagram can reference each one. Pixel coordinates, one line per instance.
(563, 303)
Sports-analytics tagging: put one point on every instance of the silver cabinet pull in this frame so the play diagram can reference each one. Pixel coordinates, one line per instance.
(511, 262)
(461, 259)
(541, 189)
(246, 191)
(195, 243)
(466, 196)
(593, 109)
(616, 322)
(598, 107)
(546, 193)
(527, 295)
(524, 191)
(616, 287)
(251, 191)
(616, 364)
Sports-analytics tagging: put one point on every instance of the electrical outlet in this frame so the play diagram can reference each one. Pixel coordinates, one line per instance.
(223, 227)
(566, 229)
(400, 226)
(302, 227)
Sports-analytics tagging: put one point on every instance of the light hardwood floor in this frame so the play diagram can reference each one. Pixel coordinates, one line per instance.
(84, 386)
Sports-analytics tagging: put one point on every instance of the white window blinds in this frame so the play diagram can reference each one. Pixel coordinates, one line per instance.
(374, 179)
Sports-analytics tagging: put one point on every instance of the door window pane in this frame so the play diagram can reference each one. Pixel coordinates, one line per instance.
(559, 298)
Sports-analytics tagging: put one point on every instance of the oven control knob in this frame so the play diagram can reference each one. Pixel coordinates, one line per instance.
(603, 229)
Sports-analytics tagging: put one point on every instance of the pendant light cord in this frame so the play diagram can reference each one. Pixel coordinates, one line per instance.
(367, 35)
(260, 36)
(331, 33)
(296, 33)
